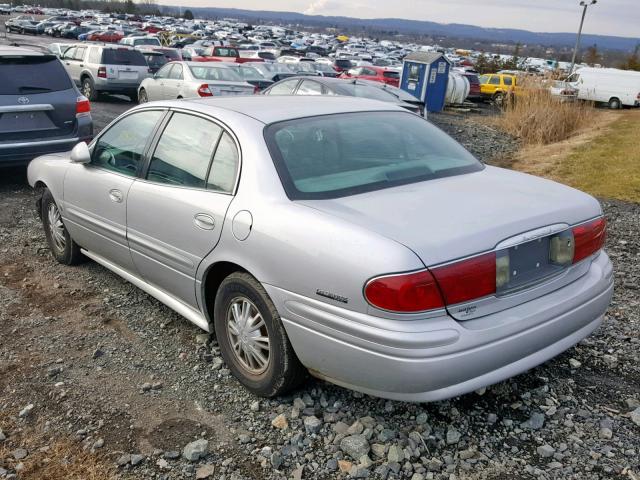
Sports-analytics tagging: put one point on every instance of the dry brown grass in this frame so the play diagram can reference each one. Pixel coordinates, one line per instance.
(537, 118)
(50, 459)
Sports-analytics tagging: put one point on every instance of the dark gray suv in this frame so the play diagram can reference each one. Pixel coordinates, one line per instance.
(41, 110)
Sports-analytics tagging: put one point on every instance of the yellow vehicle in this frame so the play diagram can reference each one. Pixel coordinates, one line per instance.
(497, 85)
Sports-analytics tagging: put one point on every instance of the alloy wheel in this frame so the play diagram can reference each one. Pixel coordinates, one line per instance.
(248, 335)
(56, 227)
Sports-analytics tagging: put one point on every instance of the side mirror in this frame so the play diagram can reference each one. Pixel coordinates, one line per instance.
(80, 153)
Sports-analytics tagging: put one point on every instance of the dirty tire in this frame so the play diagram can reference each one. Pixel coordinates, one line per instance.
(284, 371)
(67, 251)
(142, 96)
(89, 89)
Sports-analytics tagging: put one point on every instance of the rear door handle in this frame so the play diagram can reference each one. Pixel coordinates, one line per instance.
(116, 196)
(204, 221)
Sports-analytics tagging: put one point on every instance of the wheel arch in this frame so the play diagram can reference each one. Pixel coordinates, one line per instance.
(213, 277)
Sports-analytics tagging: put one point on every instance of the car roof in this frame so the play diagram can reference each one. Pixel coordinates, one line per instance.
(270, 109)
(22, 51)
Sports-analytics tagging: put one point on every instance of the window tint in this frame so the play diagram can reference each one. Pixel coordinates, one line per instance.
(506, 80)
(184, 151)
(215, 73)
(391, 74)
(283, 88)
(344, 154)
(30, 75)
(121, 147)
(123, 56)
(309, 87)
(176, 72)
(495, 80)
(222, 177)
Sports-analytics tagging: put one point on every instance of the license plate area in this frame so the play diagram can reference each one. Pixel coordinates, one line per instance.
(528, 263)
(12, 122)
(124, 75)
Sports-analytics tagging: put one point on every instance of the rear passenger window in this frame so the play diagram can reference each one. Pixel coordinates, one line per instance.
(283, 88)
(224, 169)
(506, 80)
(184, 151)
(309, 87)
(121, 147)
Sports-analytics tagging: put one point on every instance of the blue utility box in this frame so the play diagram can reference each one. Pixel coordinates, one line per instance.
(425, 76)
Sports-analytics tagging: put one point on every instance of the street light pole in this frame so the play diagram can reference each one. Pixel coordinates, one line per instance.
(584, 6)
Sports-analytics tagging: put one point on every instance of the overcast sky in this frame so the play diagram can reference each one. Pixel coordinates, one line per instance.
(607, 17)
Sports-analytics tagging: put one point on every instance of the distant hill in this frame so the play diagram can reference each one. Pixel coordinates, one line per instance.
(403, 26)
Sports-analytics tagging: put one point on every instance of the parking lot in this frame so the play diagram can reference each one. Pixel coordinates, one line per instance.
(99, 380)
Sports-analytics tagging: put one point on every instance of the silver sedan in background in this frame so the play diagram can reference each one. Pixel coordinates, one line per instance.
(341, 236)
(177, 80)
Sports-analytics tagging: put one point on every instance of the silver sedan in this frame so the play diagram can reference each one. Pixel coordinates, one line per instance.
(339, 236)
(177, 80)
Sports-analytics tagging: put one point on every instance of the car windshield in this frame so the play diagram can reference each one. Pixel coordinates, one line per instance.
(336, 155)
(303, 67)
(277, 68)
(32, 74)
(323, 67)
(215, 73)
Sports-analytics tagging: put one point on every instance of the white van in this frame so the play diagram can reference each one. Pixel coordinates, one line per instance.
(617, 88)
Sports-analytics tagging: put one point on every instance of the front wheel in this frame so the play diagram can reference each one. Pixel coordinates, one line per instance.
(252, 339)
(142, 96)
(62, 246)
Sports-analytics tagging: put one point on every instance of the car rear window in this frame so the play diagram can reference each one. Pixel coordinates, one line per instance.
(215, 73)
(336, 155)
(343, 63)
(123, 56)
(31, 75)
(391, 74)
(155, 60)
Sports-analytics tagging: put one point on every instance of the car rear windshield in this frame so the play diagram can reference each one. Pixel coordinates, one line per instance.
(392, 74)
(343, 63)
(344, 154)
(30, 75)
(123, 56)
(215, 73)
(155, 59)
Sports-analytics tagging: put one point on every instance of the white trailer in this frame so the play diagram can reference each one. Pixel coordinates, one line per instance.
(617, 88)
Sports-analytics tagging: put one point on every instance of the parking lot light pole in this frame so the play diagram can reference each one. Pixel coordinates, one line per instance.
(584, 5)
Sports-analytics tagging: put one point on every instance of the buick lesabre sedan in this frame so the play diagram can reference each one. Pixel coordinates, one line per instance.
(340, 236)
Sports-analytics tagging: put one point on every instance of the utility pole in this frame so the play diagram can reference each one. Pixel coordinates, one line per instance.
(584, 4)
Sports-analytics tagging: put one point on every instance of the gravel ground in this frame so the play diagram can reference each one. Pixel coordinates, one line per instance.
(97, 369)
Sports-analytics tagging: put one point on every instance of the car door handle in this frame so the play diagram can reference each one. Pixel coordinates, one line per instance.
(82, 65)
(204, 221)
(116, 196)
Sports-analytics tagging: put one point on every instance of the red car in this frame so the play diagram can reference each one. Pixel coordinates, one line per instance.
(223, 54)
(109, 36)
(376, 74)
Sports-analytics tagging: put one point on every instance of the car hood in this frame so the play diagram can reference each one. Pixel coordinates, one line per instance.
(454, 217)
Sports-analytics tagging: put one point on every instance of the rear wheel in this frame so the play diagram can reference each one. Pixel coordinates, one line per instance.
(252, 339)
(89, 89)
(62, 246)
(615, 103)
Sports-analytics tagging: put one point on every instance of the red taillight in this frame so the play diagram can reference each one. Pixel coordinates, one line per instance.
(102, 72)
(83, 106)
(588, 238)
(468, 279)
(205, 91)
(409, 292)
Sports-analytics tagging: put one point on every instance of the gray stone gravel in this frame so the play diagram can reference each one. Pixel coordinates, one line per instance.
(566, 419)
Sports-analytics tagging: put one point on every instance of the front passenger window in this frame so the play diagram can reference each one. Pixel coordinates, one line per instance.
(121, 147)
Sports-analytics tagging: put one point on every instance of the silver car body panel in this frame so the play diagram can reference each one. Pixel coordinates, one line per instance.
(299, 248)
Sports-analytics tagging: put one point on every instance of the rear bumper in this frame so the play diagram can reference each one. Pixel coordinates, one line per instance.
(109, 86)
(21, 153)
(437, 358)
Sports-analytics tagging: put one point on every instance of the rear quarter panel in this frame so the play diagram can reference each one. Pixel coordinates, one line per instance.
(49, 171)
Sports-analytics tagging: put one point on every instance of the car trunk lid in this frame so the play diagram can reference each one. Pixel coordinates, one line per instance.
(452, 218)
